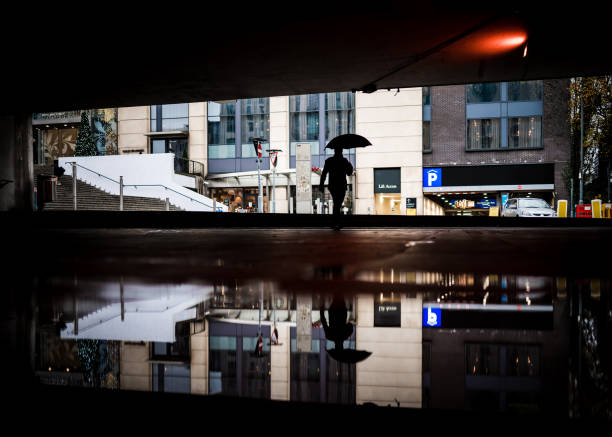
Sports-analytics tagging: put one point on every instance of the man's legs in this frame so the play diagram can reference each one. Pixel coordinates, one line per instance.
(338, 198)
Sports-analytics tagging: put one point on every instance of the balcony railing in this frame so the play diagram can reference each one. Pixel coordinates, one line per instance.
(186, 166)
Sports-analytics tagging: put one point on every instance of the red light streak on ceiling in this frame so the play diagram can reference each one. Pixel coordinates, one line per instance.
(493, 41)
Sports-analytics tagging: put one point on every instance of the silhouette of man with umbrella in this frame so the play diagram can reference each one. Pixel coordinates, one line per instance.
(338, 330)
(339, 167)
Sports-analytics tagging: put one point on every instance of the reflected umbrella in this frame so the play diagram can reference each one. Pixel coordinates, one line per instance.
(338, 330)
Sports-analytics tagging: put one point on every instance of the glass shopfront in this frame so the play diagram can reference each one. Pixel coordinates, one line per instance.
(243, 199)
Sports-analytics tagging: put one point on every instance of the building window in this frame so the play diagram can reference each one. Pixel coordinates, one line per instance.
(255, 123)
(166, 118)
(427, 136)
(525, 91)
(221, 130)
(483, 92)
(483, 134)
(339, 116)
(304, 121)
(525, 132)
(426, 95)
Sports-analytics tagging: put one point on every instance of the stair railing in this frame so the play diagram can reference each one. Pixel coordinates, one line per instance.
(122, 185)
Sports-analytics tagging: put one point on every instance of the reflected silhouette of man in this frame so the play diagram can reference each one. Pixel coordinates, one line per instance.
(339, 329)
(338, 168)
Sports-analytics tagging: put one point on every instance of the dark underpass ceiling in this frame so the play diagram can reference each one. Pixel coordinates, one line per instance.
(181, 54)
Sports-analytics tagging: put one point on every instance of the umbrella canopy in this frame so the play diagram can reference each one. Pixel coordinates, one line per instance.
(350, 356)
(348, 141)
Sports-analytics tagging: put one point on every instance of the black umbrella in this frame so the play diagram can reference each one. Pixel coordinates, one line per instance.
(348, 141)
(350, 356)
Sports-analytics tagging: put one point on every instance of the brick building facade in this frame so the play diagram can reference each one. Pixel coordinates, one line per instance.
(449, 136)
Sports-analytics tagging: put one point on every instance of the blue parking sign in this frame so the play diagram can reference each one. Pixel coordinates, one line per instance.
(432, 317)
(432, 177)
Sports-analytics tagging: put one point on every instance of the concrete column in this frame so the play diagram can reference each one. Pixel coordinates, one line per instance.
(16, 163)
(197, 132)
(280, 359)
(393, 371)
(135, 367)
(199, 362)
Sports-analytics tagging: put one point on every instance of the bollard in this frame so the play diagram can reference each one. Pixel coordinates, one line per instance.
(596, 208)
(214, 205)
(562, 208)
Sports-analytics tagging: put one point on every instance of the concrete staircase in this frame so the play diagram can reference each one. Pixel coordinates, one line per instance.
(94, 199)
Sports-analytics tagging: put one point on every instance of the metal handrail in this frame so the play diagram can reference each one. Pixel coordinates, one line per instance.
(192, 165)
(142, 185)
(167, 188)
(99, 174)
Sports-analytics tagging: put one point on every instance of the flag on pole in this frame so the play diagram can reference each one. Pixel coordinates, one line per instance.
(258, 148)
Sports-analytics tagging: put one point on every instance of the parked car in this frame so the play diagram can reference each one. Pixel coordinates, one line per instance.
(527, 207)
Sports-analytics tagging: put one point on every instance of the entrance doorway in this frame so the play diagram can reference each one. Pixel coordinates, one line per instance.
(387, 203)
(178, 146)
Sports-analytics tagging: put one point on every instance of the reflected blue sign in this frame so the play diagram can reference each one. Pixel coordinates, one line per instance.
(432, 317)
(432, 177)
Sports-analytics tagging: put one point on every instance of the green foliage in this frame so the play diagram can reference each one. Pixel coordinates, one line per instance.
(85, 144)
(596, 96)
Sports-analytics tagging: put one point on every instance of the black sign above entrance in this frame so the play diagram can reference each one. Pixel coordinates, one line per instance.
(410, 202)
(387, 180)
(388, 310)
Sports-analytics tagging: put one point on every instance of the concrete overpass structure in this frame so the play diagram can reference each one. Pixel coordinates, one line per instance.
(174, 56)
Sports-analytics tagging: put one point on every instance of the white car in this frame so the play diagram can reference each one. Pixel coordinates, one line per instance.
(527, 207)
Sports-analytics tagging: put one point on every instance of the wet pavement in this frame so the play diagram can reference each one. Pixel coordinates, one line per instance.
(471, 323)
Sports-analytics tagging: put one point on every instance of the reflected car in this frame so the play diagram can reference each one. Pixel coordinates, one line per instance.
(527, 207)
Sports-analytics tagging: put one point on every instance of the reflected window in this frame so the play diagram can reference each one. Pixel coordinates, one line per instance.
(525, 132)
(483, 133)
(426, 95)
(482, 92)
(316, 377)
(222, 370)
(525, 91)
(256, 369)
(221, 130)
(171, 378)
(306, 373)
(523, 360)
(482, 360)
(173, 117)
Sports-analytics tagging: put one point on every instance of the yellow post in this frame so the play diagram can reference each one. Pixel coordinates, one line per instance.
(596, 207)
(562, 208)
(606, 210)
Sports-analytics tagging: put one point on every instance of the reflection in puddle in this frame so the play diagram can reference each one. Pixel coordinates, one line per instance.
(424, 339)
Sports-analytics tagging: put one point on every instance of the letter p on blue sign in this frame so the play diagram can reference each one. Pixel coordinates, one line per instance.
(432, 177)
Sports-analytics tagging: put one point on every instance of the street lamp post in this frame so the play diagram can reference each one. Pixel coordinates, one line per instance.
(273, 160)
(259, 153)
